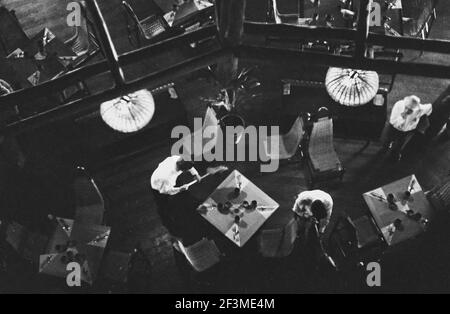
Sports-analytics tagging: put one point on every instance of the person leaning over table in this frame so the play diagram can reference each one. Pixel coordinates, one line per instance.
(404, 120)
(316, 205)
(170, 200)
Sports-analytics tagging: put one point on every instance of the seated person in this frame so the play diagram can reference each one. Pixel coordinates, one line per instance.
(318, 202)
(172, 203)
(405, 117)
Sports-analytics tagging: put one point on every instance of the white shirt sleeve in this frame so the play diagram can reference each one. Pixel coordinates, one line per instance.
(426, 109)
(396, 119)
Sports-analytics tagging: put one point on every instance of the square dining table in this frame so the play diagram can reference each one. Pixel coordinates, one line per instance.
(406, 208)
(250, 218)
(78, 242)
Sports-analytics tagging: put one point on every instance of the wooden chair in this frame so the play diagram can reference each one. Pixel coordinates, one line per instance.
(280, 242)
(288, 144)
(202, 255)
(350, 241)
(191, 147)
(83, 42)
(89, 202)
(323, 161)
(148, 29)
(439, 196)
(12, 34)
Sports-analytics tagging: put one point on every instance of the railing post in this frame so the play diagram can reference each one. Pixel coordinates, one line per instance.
(230, 17)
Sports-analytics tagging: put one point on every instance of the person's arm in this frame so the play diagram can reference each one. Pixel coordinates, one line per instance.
(165, 188)
(396, 118)
(426, 109)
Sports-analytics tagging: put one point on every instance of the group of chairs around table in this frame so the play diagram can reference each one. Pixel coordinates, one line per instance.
(119, 271)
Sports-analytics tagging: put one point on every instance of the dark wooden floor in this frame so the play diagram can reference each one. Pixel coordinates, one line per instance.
(131, 210)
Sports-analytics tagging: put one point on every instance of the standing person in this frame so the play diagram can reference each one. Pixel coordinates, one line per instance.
(314, 205)
(169, 198)
(404, 121)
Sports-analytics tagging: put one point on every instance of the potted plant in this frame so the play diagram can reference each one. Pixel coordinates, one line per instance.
(242, 88)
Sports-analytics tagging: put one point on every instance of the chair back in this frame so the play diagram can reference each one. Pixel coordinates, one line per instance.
(439, 197)
(278, 242)
(191, 145)
(89, 202)
(202, 255)
(288, 143)
(350, 238)
(29, 245)
(84, 42)
(147, 27)
(12, 34)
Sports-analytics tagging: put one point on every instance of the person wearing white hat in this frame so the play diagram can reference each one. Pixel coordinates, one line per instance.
(406, 117)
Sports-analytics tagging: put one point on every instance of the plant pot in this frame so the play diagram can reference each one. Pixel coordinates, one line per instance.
(233, 120)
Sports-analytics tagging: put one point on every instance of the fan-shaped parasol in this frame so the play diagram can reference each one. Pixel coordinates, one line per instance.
(351, 87)
(129, 113)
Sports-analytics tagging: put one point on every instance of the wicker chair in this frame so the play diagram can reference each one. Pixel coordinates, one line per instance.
(278, 242)
(148, 29)
(289, 143)
(322, 160)
(202, 255)
(83, 42)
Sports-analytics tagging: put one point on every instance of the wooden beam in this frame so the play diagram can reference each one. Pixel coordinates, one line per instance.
(291, 59)
(230, 17)
(100, 67)
(363, 28)
(106, 42)
(87, 105)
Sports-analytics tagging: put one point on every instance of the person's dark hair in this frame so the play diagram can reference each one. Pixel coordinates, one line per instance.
(318, 210)
(184, 165)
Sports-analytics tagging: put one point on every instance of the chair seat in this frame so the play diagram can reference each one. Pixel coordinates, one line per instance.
(366, 233)
(321, 148)
(278, 242)
(152, 27)
(202, 255)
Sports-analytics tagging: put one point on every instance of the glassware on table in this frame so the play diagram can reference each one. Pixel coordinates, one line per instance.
(391, 202)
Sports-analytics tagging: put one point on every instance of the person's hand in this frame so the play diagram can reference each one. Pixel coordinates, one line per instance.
(184, 188)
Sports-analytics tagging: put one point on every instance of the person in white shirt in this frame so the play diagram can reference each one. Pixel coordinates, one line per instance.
(405, 118)
(172, 204)
(406, 113)
(316, 205)
(164, 178)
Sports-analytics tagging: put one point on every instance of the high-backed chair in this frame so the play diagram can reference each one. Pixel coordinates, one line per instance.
(195, 148)
(202, 255)
(323, 161)
(89, 202)
(83, 42)
(439, 196)
(278, 242)
(351, 241)
(288, 144)
(29, 245)
(12, 35)
(147, 29)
